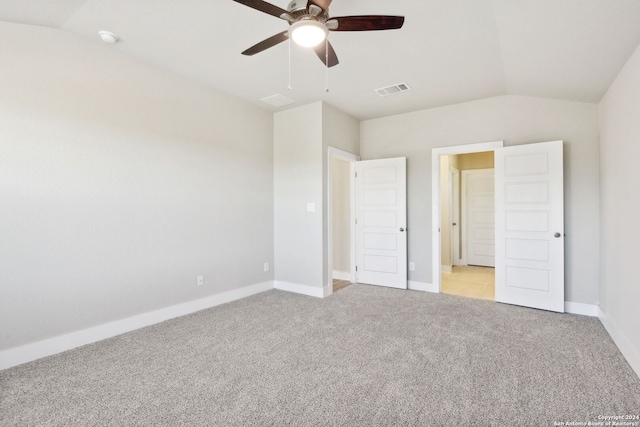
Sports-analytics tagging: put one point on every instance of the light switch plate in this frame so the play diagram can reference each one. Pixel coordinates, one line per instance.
(311, 207)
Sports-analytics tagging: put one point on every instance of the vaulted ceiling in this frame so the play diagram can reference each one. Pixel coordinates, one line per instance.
(449, 51)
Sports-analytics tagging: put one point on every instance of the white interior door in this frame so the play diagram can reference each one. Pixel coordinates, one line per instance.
(479, 198)
(381, 222)
(530, 226)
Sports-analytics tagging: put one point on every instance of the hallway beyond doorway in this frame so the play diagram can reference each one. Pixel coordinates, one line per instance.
(470, 281)
(340, 284)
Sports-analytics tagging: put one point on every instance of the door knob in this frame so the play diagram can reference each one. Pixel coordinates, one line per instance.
(401, 229)
(557, 235)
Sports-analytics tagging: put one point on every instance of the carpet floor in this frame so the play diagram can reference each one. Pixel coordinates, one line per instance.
(365, 356)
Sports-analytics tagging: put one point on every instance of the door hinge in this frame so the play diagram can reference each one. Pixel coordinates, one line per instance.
(356, 268)
(356, 221)
(356, 174)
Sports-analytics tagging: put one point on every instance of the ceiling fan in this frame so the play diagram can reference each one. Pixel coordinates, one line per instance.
(310, 24)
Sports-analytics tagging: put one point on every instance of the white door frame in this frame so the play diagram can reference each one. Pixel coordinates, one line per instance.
(436, 154)
(336, 153)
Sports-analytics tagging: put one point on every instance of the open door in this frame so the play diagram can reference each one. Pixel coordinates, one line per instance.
(530, 226)
(381, 222)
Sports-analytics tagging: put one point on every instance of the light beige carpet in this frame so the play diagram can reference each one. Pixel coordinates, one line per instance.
(365, 356)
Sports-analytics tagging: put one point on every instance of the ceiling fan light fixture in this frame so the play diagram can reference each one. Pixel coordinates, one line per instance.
(308, 33)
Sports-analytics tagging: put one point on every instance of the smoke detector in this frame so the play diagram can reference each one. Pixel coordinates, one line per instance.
(108, 37)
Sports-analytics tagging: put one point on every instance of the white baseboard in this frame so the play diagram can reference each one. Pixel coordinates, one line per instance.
(446, 269)
(341, 275)
(327, 291)
(424, 287)
(311, 291)
(29, 352)
(581, 308)
(625, 346)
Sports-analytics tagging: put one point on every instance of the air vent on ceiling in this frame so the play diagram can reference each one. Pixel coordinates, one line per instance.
(391, 90)
(277, 100)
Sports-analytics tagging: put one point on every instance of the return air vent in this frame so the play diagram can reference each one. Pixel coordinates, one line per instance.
(277, 100)
(391, 90)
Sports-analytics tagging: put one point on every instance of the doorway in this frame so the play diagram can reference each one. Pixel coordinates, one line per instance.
(375, 191)
(467, 216)
(340, 218)
(529, 220)
(451, 271)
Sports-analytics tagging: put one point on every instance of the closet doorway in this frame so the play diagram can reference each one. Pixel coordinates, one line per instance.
(467, 224)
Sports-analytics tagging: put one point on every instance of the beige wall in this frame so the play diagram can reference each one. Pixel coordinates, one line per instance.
(620, 204)
(341, 224)
(340, 131)
(297, 182)
(482, 160)
(120, 183)
(302, 136)
(516, 120)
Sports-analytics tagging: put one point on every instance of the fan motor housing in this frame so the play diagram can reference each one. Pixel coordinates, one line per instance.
(296, 5)
(298, 10)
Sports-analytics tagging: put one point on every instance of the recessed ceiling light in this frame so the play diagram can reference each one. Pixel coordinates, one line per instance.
(108, 37)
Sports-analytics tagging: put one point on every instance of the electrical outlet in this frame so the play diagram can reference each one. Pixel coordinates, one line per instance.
(200, 280)
(266, 266)
(412, 266)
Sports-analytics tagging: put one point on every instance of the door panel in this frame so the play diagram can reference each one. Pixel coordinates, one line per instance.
(479, 191)
(529, 216)
(381, 213)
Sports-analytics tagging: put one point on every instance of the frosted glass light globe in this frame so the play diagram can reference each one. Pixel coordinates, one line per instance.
(308, 33)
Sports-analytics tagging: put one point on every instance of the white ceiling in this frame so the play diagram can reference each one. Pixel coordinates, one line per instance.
(449, 51)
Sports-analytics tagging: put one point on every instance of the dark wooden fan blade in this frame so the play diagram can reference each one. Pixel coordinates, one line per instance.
(263, 6)
(321, 51)
(267, 43)
(324, 4)
(366, 23)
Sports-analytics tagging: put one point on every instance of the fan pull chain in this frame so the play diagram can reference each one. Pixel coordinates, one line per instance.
(289, 86)
(326, 61)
